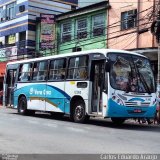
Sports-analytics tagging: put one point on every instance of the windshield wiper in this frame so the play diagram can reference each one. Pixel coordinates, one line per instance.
(143, 81)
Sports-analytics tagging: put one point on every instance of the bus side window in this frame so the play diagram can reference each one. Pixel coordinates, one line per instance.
(35, 71)
(83, 73)
(57, 69)
(40, 71)
(25, 72)
(78, 68)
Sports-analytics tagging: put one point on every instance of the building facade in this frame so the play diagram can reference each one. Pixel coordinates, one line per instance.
(83, 29)
(18, 20)
(129, 25)
(77, 30)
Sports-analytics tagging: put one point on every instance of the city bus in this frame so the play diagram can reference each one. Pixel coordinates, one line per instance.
(104, 83)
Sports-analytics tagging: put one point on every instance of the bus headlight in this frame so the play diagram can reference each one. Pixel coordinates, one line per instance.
(117, 100)
(114, 98)
(120, 102)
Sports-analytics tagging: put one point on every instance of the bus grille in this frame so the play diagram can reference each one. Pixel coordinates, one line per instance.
(135, 104)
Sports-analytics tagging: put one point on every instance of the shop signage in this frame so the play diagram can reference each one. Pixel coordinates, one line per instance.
(11, 39)
(9, 53)
(47, 31)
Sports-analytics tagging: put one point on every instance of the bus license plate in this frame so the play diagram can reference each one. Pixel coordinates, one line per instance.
(137, 111)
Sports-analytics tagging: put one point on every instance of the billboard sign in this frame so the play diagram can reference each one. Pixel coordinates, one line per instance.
(47, 31)
(9, 53)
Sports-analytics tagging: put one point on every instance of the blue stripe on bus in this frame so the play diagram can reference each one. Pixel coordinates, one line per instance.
(61, 91)
(39, 87)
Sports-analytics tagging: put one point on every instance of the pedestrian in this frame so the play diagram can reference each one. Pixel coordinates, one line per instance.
(144, 120)
(157, 114)
(149, 121)
(156, 117)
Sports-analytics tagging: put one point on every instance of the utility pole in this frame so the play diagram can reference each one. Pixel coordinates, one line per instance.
(158, 41)
(155, 29)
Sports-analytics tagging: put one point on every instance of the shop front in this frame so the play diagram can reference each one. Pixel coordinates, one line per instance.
(2, 73)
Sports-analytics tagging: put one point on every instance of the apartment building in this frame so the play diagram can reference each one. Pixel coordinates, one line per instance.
(77, 30)
(18, 20)
(129, 24)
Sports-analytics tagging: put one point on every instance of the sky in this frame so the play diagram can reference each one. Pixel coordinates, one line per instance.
(83, 3)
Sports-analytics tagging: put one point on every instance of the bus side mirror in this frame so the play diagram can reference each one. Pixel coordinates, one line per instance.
(107, 67)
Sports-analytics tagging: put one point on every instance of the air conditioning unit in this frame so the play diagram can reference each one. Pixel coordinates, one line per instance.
(22, 8)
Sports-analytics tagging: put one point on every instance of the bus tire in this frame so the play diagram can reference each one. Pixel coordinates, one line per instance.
(118, 121)
(79, 115)
(22, 106)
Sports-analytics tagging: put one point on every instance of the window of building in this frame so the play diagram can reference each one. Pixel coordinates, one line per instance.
(1, 14)
(78, 68)
(98, 25)
(40, 71)
(22, 36)
(82, 28)
(128, 19)
(10, 40)
(22, 40)
(25, 72)
(57, 69)
(11, 11)
(1, 44)
(66, 29)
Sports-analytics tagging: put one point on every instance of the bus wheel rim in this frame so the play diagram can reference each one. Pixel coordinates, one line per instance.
(79, 112)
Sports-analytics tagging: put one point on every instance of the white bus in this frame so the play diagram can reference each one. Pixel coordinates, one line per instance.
(106, 83)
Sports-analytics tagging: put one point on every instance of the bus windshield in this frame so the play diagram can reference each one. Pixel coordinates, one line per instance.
(131, 73)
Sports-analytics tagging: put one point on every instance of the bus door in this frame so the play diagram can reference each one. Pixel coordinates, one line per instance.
(9, 87)
(97, 75)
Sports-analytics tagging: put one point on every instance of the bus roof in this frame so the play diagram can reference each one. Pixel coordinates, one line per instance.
(103, 51)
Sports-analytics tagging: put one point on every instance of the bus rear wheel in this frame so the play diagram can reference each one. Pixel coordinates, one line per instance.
(22, 106)
(79, 115)
(118, 121)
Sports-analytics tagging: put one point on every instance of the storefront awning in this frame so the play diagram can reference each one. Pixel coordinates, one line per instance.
(2, 68)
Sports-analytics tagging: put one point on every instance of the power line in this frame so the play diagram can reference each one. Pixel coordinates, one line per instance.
(120, 2)
(111, 26)
(108, 27)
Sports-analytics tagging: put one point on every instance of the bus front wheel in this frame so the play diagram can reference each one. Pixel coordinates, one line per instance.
(118, 121)
(79, 115)
(22, 106)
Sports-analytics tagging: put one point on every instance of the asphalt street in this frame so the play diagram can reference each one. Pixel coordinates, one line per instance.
(43, 134)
